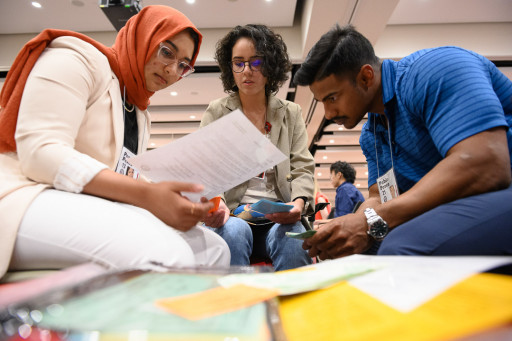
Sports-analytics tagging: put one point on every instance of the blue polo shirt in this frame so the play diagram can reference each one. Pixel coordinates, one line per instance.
(433, 99)
(347, 196)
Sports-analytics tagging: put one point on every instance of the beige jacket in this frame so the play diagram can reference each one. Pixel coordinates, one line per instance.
(294, 175)
(70, 123)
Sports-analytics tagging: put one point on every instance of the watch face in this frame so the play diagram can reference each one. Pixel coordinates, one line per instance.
(378, 230)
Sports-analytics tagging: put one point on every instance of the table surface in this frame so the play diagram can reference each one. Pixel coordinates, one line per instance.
(461, 307)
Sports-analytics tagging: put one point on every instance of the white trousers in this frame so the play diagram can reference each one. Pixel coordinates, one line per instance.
(62, 229)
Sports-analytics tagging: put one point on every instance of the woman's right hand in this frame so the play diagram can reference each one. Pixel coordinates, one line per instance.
(163, 199)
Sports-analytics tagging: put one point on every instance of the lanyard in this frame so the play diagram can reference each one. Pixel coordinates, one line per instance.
(125, 109)
(375, 142)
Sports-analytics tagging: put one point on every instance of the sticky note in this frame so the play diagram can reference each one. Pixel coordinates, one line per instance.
(215, 301)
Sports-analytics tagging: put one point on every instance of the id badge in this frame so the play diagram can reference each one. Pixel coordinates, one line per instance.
(123, 167)
(387, 186)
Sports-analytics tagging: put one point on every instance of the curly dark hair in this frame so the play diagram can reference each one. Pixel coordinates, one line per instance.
(270, 45)
(349, 173)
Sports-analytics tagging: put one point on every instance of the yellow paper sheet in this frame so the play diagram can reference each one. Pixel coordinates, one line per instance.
(342, 312)
(215, 301)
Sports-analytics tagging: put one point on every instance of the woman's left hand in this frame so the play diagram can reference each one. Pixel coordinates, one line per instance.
(219, 217)
(289, 217)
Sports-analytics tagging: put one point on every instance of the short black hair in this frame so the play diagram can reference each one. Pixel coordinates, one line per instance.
(345, 168)
(270, 45)
(341, 51)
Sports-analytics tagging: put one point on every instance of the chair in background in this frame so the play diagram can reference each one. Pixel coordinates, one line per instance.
(308, 221)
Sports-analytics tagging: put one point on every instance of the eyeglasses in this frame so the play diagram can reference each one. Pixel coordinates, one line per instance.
(167, 56)
(255, 64)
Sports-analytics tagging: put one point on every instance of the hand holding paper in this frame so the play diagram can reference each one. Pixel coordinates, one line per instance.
(267, 207)
(291, 216)
(218, 217)
(165, 201)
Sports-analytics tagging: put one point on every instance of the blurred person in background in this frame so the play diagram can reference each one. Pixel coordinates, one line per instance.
(348, 196)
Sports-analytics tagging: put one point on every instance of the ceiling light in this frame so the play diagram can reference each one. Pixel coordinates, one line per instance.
(319, 174)
(192, 116)
(152, 144)
(174, 93)
(325, 157)
(191, 1)
(331, 141)
(36, 4)
(358, 185)
(365, 173)
(340, 128)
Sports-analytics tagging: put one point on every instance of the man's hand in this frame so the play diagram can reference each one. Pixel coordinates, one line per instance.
(340, 237)
(290, 217)
(219, 217)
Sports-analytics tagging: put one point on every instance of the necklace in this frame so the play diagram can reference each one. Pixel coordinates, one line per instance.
(129, 110)
(268, 127)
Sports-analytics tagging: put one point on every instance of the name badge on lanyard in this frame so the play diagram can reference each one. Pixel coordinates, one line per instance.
(387, 186)
(386, 183)
(123, 167)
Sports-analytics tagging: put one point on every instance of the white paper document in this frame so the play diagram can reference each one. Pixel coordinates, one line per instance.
(220, 156)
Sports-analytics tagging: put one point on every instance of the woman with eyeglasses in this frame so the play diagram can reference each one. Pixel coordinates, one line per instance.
(254, 64)
(72, 111)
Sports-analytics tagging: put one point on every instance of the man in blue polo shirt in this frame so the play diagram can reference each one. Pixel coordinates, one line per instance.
(348, 196)
(438, 145)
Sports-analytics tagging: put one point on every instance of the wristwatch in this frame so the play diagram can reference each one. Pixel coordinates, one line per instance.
(377, 227)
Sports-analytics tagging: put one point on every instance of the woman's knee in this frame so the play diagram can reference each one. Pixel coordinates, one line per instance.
(236, 228)
(220, 254)
(149, 247)
(279, 230)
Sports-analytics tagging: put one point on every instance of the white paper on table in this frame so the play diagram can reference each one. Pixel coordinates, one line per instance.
(219, 156)
(303, 279)
(409, 281)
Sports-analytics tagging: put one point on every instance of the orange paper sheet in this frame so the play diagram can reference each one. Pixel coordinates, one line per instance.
(215, 301)
(344, 313)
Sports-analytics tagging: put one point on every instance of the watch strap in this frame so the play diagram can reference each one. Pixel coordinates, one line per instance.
(377, 227)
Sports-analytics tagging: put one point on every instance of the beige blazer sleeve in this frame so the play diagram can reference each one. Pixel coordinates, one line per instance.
(53, 109)
(72, 120)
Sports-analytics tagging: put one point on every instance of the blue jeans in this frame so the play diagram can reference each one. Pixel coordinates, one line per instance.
(476, 225)
(243, 241)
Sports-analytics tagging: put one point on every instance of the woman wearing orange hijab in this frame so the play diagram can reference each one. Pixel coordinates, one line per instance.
(71, 109)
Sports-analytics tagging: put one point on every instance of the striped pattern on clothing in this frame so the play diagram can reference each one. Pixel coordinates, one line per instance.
(433, 98)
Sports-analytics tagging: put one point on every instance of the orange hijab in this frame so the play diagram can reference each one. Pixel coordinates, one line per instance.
(134, 45)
